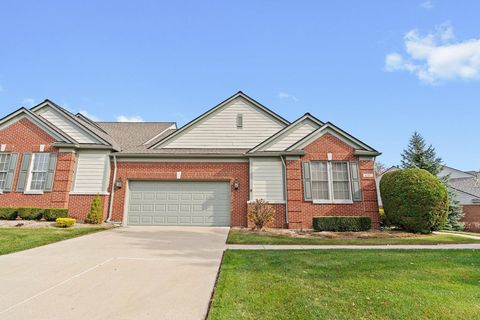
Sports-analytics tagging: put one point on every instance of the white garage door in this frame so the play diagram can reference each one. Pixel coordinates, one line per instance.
(178, 203)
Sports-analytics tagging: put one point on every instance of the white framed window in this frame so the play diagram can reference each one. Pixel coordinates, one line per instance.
(37, 177)
(328, 181)
(4, 167)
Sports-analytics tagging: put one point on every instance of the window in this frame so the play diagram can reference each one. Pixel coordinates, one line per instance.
(4, 166)
(38, 171)
(355, 174)
(330, 181)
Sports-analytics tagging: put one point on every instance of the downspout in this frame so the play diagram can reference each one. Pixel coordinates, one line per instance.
(112, 191)
(285, 189)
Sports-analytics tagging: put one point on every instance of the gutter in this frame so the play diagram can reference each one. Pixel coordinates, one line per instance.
(112, 191)
(285, 189)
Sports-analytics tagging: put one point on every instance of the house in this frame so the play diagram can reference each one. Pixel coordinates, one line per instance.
(207, 172)
(466, 185)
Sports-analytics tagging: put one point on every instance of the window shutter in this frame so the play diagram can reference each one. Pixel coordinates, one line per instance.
(11, 172)
(52, 163)
(22, 176)
(307, 185)
(355, 174)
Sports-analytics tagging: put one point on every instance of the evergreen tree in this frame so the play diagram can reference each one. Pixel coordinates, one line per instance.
(95, 216)
(418, 155)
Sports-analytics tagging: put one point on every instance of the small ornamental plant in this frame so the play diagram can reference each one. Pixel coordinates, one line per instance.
(261, 214)
(95, 216)
(64, 222)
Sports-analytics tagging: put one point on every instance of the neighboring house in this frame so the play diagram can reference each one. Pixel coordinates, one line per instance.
(466, 185)
(205, 173)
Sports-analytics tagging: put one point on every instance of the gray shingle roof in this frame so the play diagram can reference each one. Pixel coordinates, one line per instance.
(467, 185)
(131, 136)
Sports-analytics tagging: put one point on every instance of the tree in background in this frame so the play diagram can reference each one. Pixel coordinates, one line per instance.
(379, 168)
(418, 155)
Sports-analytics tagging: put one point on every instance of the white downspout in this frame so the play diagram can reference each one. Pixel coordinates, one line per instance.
(285, 189)
(112, 191)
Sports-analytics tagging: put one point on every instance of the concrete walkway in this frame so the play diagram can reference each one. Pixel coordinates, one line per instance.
(470, 236)
(354, 247)
(125, 273)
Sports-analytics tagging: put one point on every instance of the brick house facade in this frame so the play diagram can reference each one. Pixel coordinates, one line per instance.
(256, 162)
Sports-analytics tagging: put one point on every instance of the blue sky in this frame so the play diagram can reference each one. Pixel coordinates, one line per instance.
(378, 69)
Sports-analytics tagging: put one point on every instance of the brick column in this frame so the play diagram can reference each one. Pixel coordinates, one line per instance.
(294, 189)
(369, 190)
(63, 179)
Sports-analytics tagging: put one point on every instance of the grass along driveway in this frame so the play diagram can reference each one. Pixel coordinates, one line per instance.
(17, 239)
(348, 284)
(369, 238)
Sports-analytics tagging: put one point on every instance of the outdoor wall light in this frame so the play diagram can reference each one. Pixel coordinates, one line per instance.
(119, 183)
(236, 184)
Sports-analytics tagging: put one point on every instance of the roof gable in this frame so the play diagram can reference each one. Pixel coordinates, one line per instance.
(360, 147)
(77, 128)
(283, 139)
(22, 113)
(217, 127)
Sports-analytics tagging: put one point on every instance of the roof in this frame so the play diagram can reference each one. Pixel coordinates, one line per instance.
(467, 185)
(132, 136)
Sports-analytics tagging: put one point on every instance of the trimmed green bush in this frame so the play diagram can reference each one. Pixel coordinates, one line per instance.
(95, 216)
(65, 222)
(53, 213)
(8, 213)
(30, 213)
(338, 224)
(414, 200)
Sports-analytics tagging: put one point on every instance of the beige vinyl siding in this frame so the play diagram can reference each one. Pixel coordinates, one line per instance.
(220, 130)
(291, 136)
(266, 176)
(62, 123)
(92, 172)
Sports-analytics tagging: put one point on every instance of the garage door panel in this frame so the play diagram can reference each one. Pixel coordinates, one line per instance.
(179, 203)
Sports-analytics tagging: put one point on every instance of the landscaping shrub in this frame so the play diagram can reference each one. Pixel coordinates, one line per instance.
(338, 224)
(95, 216)
(261, 214)
(65, 222)
(30, 213)
(53, 213)
(414, 200)
(8, 213)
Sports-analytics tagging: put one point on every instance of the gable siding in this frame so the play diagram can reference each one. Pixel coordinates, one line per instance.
(291, 136)
(92, 172)
(66, 126)
(266, 176)
(219, 130)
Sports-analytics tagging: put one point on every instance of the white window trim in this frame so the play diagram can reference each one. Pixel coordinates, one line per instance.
(9, 159)
(330, 185)
(29, 177)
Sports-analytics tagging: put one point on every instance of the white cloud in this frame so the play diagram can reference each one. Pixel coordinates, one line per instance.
(129, 119)
(437, 57)
(287, 96)
(426, 5)
(89, 116)
(28, 102)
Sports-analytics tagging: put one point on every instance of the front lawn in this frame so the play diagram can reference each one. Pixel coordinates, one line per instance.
(348, 284)
(16, 239)
(367, 238)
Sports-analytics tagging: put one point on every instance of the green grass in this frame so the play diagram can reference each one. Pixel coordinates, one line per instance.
(13, 239)
(348, 284)
(243, 237)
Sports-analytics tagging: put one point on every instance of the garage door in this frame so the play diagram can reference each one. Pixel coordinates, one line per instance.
(178, 203)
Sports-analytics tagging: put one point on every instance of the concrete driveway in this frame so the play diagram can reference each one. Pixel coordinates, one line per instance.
(124, 273)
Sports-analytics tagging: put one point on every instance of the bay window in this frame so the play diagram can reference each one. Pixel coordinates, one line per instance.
(331, 181)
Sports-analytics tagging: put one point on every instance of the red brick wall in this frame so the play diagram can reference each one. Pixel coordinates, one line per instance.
(24, 136)
(472, 217)
(79, 206)
(301, 212)
(213, 171)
